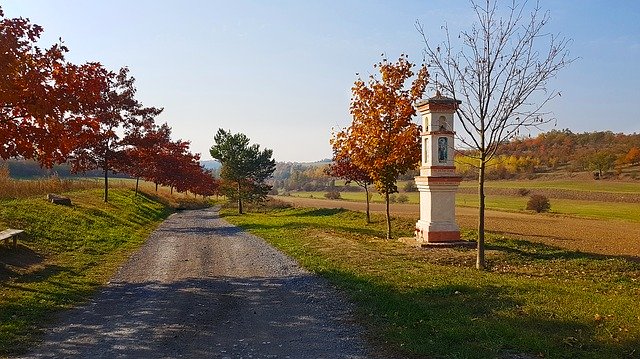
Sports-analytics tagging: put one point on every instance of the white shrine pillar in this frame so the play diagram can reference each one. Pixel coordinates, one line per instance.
(437, 182)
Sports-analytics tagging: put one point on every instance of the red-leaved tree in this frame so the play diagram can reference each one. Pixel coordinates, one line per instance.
(118, 113)
(45, 101)
(343, 167)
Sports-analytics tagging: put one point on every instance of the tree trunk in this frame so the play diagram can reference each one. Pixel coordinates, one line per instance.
(480, 263)
(156, 186)
(137, 182)
(171, 189)
(106, 185)
(366, 191)
(106, 177)
(239, 200)
(386, 196)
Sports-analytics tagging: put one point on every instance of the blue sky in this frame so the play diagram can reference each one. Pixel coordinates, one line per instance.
(281, 71)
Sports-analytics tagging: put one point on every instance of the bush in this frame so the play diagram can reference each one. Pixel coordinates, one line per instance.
(539, 203)
(402, 198)
(392, 198)
(332, 195)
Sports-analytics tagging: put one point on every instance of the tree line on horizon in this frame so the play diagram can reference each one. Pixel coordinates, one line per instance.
(54, 111)
(605, 153)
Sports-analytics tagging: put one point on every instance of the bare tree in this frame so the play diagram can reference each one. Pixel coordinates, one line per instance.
(500, 70)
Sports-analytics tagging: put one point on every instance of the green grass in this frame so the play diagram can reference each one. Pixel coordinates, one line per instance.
(70, 252)
(579, 208)
(569, 207)
(414, 197)
(574, 185)
(534, 299)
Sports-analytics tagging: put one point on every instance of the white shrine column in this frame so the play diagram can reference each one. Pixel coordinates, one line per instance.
(438, 181)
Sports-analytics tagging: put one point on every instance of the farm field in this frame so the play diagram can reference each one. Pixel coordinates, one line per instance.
(611, 237)
(584, 198)
(578, 184)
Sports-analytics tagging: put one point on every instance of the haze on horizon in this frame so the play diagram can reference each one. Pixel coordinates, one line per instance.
(281, 71)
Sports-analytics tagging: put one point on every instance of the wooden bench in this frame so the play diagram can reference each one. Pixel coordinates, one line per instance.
(11, 233)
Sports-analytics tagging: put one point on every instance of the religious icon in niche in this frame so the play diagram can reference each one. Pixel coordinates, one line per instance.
(442, 149)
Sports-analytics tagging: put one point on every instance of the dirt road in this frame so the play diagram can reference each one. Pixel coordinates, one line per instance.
(609, 237)
(199, 288)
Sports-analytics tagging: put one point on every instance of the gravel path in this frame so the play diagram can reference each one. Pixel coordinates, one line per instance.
(201, 287)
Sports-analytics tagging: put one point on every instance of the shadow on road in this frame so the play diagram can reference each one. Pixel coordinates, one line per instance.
(216, 317)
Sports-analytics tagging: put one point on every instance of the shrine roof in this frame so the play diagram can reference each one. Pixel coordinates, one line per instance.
(437, 99)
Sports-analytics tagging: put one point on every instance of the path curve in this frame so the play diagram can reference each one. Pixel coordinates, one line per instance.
(201, 287)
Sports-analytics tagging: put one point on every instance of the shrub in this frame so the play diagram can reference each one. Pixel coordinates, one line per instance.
(332, 195)
(539, 203)
(392, 198)
(402, 198)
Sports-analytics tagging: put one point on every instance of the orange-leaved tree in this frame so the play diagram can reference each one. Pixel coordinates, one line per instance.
(633, 156)
(382, 139)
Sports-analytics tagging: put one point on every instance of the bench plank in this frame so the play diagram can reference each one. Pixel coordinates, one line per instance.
(10, 233)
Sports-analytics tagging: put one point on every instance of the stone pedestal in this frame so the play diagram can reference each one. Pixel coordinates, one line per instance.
(437, 209)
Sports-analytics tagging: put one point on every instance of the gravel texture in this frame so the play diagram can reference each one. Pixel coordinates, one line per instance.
(201, 287)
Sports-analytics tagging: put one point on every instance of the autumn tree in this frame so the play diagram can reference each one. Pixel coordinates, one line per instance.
(44, 100)
(500, 70)
(204, 183)
(243, 165)
(382, 139)
(142, 153)
(343, 167)
(601, 161)
(633, 156)
(117, 114)
(171, 160)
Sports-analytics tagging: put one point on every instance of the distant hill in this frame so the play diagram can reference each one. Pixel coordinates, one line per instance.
(307, 164)
(211, 164)
(602, 152)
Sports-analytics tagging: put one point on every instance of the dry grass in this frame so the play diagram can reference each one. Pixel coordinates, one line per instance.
(13, 188)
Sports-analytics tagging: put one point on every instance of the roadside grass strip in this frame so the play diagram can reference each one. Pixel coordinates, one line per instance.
(533, 301)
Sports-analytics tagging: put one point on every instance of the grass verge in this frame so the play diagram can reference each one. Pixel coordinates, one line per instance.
(66, 254)
(533, 301)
